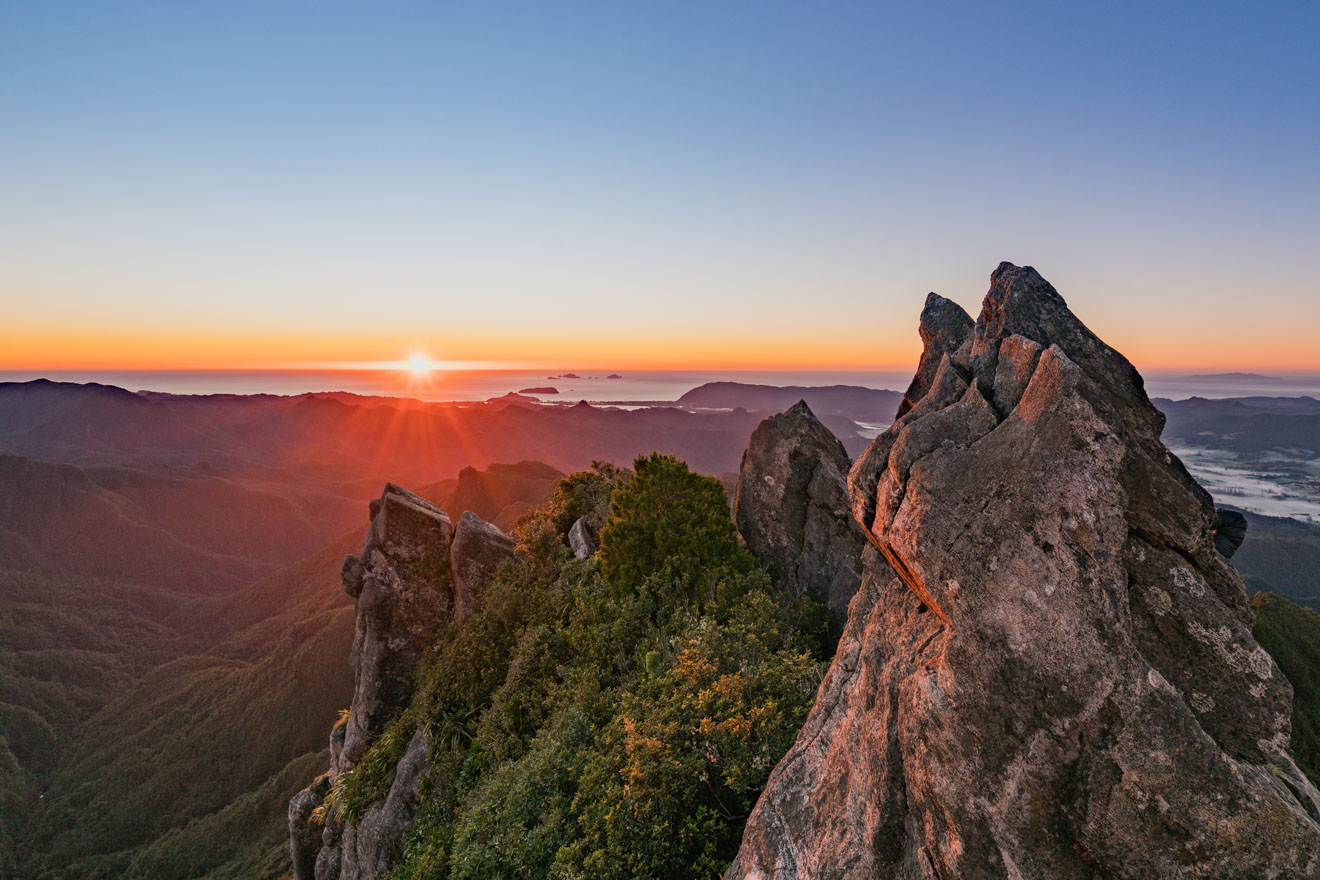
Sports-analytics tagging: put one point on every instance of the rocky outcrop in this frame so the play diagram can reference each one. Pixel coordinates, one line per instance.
(476, 554)
(583, 538)
(403, 587)
(304, 831)
(1230, 530)
(792, 509)
(1048, 671)
(416, 574)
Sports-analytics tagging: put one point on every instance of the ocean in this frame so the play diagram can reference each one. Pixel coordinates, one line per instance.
(633, 386)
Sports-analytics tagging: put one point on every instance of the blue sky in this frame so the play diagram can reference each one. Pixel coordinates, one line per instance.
(690, 183)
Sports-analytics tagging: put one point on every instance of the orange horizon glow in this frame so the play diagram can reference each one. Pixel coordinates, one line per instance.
(435, 369)
(882, 352)
(63, 351)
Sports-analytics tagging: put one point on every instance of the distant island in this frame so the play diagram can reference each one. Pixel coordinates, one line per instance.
(540, 389)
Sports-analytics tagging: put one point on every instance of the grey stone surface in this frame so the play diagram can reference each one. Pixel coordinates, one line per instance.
(792, 510)
(304, 834)
(403, 597)
(372, 847)
(582, 538)
(944, 327)
(1230, 530)
(476, 554)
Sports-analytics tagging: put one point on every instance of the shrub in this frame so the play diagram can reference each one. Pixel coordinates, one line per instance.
(666, 514)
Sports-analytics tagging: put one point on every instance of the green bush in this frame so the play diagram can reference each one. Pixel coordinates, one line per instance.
(667, 515)
(680, 765)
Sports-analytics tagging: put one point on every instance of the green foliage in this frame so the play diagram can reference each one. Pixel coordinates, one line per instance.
(369, 781)
(237, 842)
(68, 646)
(585, 494)
(677, 770)
(434, 569)
(184, 774)
(611, 726)
(1291, 634)
(667, 515)
(177, 687)
(582, 494)
(515, 822)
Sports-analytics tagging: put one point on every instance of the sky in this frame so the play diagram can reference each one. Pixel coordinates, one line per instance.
(649, 185)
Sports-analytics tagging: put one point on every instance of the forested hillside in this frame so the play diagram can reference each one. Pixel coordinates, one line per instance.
(156, 726)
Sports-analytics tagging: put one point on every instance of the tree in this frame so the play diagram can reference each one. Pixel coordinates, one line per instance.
(667, 515)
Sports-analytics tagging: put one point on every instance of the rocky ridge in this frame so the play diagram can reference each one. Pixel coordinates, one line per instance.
(416, 573)
(1048, 670)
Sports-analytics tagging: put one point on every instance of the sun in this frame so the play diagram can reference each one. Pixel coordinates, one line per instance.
(418, 364)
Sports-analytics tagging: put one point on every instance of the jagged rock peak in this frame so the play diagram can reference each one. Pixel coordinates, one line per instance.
(1023, 304)
(416, 573)
(944, 329)
(1057, 678)
(791, 508)
(404, 526)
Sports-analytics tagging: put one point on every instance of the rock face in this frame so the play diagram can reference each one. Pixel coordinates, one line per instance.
(401, 581)
(582, 538)
(416, 573)
(370, 848)
(792, 509)
(1048, 671)
(304, 833)
(476, 554)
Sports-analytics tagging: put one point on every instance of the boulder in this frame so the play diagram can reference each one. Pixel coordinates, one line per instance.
(1230, 531)
(1048, 671)
(583, 538)
(791, 507)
